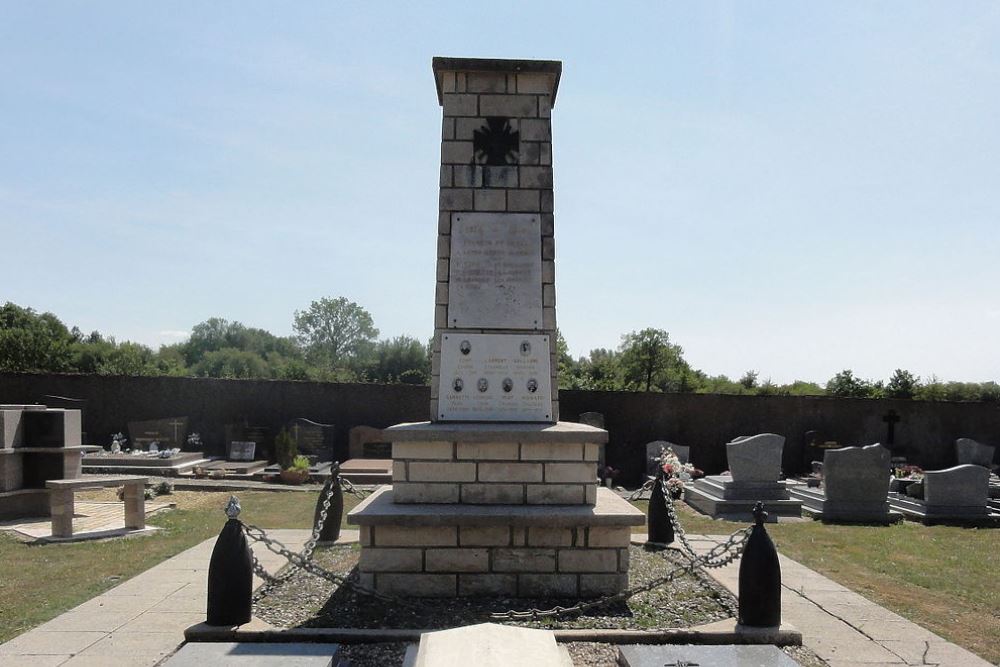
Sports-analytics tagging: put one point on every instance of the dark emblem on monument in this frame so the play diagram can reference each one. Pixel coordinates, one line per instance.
(508, 385)
(525, 348)
(457, 385)
(483, 385)
(532, 385)
(465, 347)
(496, 143)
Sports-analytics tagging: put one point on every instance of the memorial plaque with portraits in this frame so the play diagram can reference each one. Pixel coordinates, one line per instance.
(495, 377)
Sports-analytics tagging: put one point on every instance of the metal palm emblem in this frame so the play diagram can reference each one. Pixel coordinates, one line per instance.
(496, 143)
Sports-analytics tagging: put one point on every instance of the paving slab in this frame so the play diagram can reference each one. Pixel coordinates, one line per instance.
(638, 655)
(490, 645)
(254, 655)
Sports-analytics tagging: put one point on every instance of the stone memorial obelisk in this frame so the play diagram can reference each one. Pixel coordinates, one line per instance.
(495, 496)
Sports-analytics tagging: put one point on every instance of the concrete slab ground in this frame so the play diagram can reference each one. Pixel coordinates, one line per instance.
(140, 621)
(232, 654)
(143, 620)
(842, 627)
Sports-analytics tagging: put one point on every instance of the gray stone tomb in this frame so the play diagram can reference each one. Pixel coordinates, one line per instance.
(755, 471)
(856, 486)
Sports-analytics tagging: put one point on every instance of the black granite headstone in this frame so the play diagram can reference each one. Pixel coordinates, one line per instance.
(312, 438)
(166, 433)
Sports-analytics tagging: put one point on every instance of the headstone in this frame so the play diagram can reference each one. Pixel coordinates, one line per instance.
(755, 458)
(968, 450)
(963, 486)
(242, 450)
(367, 442)
(313, 438)
(259, 435)
(856, 483)
(167, 433)
(755, 472)
(684, 655)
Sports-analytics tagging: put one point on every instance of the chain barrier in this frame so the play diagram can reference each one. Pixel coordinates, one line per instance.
(638, 493)
(720, 555)
(360, 494)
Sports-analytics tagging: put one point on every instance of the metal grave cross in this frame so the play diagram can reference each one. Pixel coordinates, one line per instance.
(891, 418)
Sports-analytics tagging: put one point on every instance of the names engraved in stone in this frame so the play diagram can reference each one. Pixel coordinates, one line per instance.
(495, 377)
(495, 277)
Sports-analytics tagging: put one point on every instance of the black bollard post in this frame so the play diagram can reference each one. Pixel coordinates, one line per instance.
(760, 577)
(230, 573)
(658, 527)
(331, 526)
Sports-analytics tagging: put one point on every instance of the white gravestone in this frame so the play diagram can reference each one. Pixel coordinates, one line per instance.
(495, 275)
(755, 458)
(495, 377)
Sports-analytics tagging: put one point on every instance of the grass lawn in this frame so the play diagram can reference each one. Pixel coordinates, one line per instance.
(943, 578)
(40, 582)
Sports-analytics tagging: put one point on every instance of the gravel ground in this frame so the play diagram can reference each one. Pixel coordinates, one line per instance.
(308, 601)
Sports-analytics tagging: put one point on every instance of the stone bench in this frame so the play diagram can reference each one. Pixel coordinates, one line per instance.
(61, 502)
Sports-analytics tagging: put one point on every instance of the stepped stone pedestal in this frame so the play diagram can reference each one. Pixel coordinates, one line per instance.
(719, 496)
(495, 496)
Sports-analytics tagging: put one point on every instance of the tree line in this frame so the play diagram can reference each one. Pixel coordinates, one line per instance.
(336, 340)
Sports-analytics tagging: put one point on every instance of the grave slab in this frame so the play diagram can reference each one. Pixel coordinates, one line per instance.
(292, 654)
(490, 645)
(703, 656)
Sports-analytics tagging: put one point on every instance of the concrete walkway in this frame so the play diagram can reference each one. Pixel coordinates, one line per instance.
(143, 620)
(844, 628)
(139, 622)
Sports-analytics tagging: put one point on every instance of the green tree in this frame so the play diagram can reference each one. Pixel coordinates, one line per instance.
(33, 342)
(401, 359)
(749, 380)
(336, 333)
(845, 385)
(902, 384)
(230, 362)
(217, 333)
(650, 361)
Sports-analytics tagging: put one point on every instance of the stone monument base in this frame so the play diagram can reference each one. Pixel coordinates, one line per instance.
(435, 550)
(720, 496)
(816, 505)
(919, 510)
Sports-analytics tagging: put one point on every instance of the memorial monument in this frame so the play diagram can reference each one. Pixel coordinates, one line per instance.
(495, 496)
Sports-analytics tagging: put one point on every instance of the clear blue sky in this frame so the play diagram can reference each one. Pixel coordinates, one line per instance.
(791, 187)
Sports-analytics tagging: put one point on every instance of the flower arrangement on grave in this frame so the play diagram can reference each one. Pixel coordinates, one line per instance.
(194, 441)
(908, 472)
(675, 474)
(118, 442)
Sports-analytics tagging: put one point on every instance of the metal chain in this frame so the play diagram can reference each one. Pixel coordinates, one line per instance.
(310, 546)
(638, 493)
(720, 555)
(353, 490)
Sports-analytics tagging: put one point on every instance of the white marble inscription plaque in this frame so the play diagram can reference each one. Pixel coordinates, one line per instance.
(495, 377)
(495, 279)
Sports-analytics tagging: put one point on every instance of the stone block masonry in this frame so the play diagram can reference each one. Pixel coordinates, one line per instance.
(497, 103)
(495, 464)
(536, 551)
